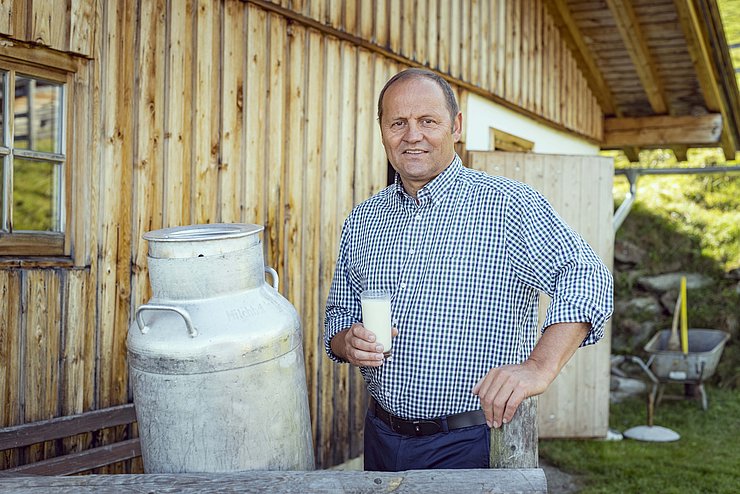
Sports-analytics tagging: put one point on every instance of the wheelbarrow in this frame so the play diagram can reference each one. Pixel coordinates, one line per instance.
(694, 367)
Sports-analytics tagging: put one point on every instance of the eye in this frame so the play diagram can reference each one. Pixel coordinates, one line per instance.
(428, 121)
(396, 124)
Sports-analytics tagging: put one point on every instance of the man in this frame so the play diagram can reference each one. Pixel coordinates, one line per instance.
(464, 255)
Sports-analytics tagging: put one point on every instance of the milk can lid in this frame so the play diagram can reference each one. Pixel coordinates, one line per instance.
(195, 233)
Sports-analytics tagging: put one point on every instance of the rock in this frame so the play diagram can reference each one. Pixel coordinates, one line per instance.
(624, 387)
(672, 281)
(628, 253)
(668, 300)
(643, 304)
(628, 334)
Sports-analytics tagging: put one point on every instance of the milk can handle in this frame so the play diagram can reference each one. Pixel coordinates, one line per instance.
(186, 317)
(274, 275)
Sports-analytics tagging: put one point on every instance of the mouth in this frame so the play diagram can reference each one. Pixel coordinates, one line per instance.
(414, 151)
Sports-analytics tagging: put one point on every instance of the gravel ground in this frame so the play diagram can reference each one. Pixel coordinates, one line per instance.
(559, 482)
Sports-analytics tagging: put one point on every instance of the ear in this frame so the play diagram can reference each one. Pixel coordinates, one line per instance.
(457, 127)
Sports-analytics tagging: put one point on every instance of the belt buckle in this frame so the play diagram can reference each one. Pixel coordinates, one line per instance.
(425, 427)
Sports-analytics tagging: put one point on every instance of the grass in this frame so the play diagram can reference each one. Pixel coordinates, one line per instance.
(688, 223)
(705, 459)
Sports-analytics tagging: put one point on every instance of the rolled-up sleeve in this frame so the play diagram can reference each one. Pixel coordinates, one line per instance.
(342, 306)
(550, 256)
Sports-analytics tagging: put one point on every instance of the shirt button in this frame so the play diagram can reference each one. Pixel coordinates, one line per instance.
(417, 217)
(403, 285)
(412, 251)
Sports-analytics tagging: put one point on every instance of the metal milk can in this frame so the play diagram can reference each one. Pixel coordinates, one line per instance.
(216, 357)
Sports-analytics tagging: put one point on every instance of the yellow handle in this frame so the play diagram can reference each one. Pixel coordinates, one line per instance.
(684, 318)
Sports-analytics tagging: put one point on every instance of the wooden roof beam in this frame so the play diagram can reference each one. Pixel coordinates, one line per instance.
(634, 41)
(662, 131)
(700, 56)
(585, 60)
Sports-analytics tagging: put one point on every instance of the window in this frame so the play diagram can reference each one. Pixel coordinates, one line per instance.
(33, 167)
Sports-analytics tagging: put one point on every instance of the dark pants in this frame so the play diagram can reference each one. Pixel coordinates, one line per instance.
(387, 451)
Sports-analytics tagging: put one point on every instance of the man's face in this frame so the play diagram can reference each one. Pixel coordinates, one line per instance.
(417, 133)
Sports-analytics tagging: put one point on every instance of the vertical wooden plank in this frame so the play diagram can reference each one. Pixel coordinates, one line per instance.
(455, 38)
(472, 40)
(467, 43)
(179, 93)
(20, 17)
(115, 248)
(432, 33)
(317, 9)
(365, 124)
(78, 362)
(254, 184)
(311, 239)
(539, 54)
(333, 14)
(351, 11)
(347, 429)
(367, 16)
(378, 163)
(11, 356)
(330, 417)
(50, 24)
(443, 36)
(411, 26)
(82, 28)
(295, 172)
(502, 58)
(274, 172)
(382, 23)
(233, 157)
(149, 154)
(206, 103)
(525, 54)
(515, 90)
(366, 113)
(394, 22)
(482, 58)
(421, 29)
(42, 353)
(514, 445)
(6, 18)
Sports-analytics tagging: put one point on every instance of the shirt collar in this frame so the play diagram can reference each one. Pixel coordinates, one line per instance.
(435, 191)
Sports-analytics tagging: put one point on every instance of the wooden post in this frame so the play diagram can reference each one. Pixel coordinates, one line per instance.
(514, 445)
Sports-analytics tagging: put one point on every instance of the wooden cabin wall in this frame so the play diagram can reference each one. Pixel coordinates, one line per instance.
(197, 111)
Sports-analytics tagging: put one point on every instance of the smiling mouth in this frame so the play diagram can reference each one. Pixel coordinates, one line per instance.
(414, 151)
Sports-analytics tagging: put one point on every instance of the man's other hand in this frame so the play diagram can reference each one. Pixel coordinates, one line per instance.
(502, 390)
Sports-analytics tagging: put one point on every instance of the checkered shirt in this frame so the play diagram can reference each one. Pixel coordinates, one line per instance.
(464, 266)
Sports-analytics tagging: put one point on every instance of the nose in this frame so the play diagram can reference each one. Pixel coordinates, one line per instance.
(413, 133)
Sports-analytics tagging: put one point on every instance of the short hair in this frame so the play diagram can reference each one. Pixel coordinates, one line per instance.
(449, 94)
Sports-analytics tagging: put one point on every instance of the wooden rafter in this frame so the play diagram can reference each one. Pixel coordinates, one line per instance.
(705, 71)
(662, 131)
(568, 28)
(634, 41)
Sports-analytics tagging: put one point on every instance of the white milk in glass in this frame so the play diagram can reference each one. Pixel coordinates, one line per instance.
(376, 316)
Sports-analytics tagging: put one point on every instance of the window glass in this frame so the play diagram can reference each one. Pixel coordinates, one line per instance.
(33, 194)
(37, 115)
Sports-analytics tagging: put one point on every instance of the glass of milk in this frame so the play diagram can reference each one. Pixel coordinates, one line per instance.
(376, 316)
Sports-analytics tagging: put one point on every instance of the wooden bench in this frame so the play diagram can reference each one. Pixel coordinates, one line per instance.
(62, 427)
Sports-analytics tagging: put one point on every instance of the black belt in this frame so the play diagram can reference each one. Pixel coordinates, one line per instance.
(426, 427)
